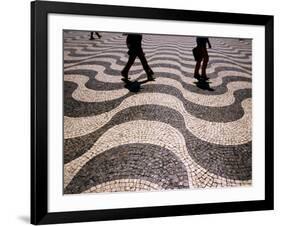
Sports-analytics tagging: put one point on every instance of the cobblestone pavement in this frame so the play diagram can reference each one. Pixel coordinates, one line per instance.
(170, 133)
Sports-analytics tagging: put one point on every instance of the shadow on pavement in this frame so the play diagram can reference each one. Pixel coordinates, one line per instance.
(204, 85)
(134, 86)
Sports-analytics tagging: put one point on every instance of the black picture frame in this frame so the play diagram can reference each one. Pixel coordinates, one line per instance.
(39, 112)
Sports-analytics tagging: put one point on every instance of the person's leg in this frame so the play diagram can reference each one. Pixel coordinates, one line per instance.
(130, 62)
(198, 58)
(145, 65)
(92, 35)
(98, 34)
(196, 69)
(205, 63)
(143, 60)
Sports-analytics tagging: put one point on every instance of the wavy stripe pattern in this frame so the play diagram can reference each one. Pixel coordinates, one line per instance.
(173, 133)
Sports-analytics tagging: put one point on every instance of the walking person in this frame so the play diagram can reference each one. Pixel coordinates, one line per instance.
(200, 53)
(92, 35)
(133, 42)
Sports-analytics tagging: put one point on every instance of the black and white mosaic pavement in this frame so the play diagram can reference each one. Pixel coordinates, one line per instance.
(171, 133)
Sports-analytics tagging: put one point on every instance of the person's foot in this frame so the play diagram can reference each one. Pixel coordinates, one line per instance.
(125, 79)
(91, 38)
(197, 76)
(125, 76)
(149, 72)
(150, 78)
(205, 77)
(99, 36)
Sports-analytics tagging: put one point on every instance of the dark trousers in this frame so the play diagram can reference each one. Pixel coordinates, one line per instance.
(132, 57)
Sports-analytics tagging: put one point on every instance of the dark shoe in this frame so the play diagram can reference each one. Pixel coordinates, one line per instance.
(125, 76)
(150, 78)
(149, 72)
(125, 79)
(91, 38)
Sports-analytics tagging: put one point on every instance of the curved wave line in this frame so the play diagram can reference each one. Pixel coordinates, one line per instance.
(84, 94)
(185, 43)
(182, 43)
(161, 47)
(228, 133)
(103, 77)
(159, 133)
(168, 46)
(115, 66)
(216, 81)
(121, 185)
(187, 57)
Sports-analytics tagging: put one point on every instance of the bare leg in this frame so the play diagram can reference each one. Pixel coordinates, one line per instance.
(197, 67)
(204, 66)
(205, 62)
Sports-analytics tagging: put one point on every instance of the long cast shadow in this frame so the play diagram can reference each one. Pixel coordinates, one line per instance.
(134, 86)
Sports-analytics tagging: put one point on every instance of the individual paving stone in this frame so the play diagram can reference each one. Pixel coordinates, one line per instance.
(131, 161)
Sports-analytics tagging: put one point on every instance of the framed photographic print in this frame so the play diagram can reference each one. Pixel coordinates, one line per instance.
(144, 112)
